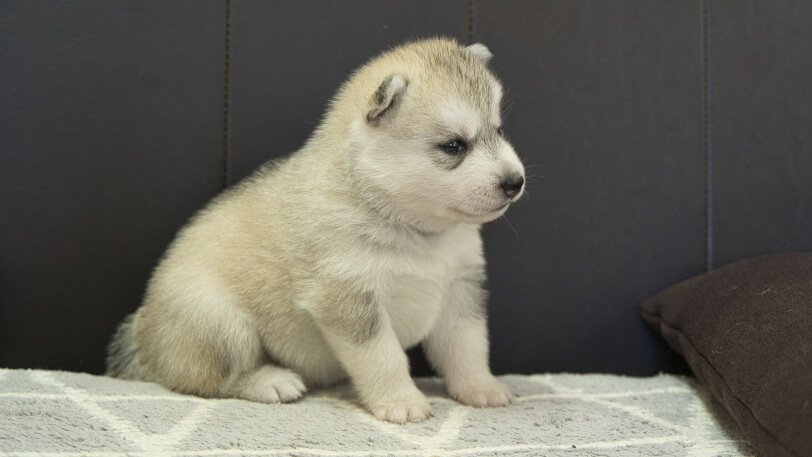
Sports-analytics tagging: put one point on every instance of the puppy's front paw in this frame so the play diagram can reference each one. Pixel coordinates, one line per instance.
(483, 394)
(414, 409)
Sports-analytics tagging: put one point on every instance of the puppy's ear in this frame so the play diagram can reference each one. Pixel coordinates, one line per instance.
(480, 51)
(385, 100)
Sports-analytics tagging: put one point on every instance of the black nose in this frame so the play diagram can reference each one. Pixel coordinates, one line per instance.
(512, 186)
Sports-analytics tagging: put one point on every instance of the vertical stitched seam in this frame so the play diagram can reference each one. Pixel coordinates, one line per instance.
(470, 22)
(707, 146)
(226, 69)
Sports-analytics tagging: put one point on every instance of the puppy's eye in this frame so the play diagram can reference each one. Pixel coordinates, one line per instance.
(454, 148)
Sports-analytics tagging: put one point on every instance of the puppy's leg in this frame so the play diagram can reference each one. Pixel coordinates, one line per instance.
(362, 337)
(457, 347)
(216, 354)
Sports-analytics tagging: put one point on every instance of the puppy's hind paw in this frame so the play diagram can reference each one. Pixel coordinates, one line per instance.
(484, 394)
(270, 384)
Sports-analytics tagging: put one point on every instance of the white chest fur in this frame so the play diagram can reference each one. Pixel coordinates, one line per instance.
(412, 285)
(413, 303)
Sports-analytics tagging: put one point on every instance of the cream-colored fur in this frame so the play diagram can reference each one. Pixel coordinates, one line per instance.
(329, 263)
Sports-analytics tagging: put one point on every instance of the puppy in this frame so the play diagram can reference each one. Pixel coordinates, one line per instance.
(326, 265)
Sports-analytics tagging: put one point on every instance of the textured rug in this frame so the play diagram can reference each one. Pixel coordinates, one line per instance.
(45, 413)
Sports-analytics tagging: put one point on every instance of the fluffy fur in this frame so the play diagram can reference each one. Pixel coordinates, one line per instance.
(327, 264)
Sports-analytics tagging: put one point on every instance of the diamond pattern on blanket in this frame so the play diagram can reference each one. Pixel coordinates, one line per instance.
(598, 384)
(104, 386)
(655, 407)
(556, 422)
(19, 381)
(318, 423)
(31, 424)
(150, 416)
(75, 414)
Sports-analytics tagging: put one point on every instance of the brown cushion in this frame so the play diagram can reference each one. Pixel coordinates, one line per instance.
(746, 331)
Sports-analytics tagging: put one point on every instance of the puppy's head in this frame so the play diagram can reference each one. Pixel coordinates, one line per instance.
(431, 146)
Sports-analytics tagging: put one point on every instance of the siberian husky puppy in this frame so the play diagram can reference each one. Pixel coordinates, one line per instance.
(328, 264)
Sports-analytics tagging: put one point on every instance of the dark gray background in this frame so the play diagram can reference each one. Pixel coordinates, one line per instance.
(662, 138)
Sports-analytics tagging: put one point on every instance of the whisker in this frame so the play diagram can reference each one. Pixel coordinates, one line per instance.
(507, 104)
(511, 226)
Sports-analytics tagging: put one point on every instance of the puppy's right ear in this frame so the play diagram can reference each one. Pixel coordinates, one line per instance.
(385, 100)
(480, 51)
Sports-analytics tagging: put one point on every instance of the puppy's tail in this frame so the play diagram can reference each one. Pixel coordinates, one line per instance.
(122, 353)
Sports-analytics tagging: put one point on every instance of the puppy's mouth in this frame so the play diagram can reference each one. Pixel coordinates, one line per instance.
(485, 215)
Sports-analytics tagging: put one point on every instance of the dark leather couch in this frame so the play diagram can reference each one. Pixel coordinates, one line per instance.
(662, 138)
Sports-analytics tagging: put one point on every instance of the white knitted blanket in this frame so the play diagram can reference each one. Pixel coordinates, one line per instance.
(44, 413)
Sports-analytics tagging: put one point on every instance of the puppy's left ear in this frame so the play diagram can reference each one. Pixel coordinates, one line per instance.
(480, 51)
(385, 100)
